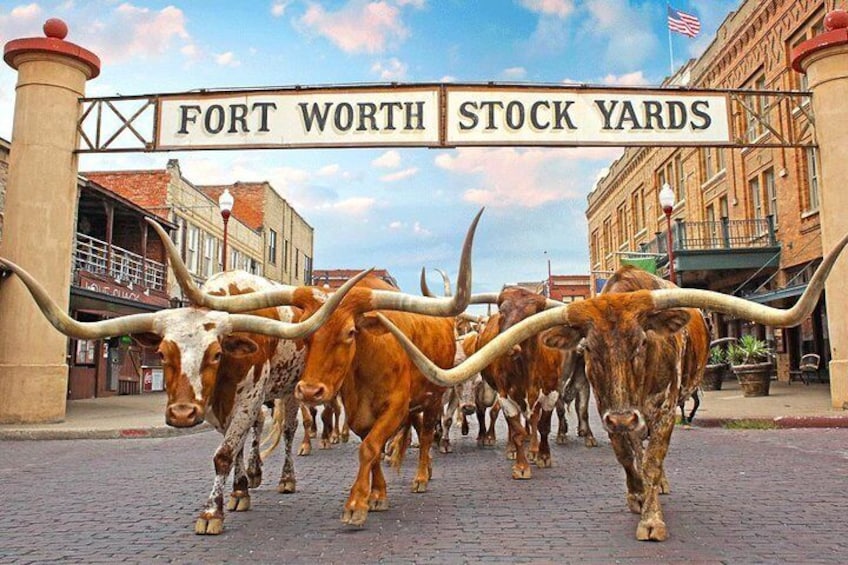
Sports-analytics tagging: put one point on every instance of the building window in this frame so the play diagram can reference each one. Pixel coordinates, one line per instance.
(209, 254)
(757, 110)
(771, 194)
(623, 236)
(811, 28)
(812, 202)
(192, 250)
(272, 247)
(637, 208)
(756, 199)
(607, 236)
(707, 165)
(680, 181)
(286, 255)
(307, 271)
(722, 207)
(595, 250)
(296, 262)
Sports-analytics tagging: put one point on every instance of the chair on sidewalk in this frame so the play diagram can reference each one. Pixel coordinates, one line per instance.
(807, 368)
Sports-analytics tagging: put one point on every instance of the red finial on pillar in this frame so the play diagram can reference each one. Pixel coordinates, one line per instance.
(55, 28)
(837, 19)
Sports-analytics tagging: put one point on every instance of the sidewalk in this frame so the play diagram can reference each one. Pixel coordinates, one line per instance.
(143, 415)
(128, 416)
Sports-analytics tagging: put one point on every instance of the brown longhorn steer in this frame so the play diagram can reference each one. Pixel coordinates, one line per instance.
(381, 389)
(643, 350)
(218, 367)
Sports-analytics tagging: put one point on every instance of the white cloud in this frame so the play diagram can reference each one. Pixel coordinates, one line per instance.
(448, 78)
(358, 27)
(393, 69)
(400, 175)
(418, 229)
(526, 178)
(227, 59)
(388, 160)
(556, 8)
(636, 78)
(354, 206)
(278, 9)
(625, 30)
(329, 170)
(21, 21)
(396, 225)
(514, 73)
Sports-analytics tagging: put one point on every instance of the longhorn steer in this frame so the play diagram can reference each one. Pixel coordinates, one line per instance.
(644, 349)
(218, 367)
(380, 388)
(574, 387)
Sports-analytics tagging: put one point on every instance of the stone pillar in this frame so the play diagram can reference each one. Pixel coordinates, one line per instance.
(41, 199)
(824, 59)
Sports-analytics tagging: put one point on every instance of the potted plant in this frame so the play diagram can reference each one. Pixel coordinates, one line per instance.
(717, 365)
(751, 361)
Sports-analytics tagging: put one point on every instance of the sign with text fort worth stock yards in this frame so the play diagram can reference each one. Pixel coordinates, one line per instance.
(444, 115)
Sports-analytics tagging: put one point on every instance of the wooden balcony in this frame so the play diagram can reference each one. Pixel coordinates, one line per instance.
(100, 258)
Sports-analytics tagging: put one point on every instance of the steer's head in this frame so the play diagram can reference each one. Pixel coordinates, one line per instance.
(193, 343)
(331, 349)
(629, 352)
(516, 304)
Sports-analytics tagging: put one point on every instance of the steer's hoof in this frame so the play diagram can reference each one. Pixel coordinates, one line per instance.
(590, 441)
(521, 473)
(208, 526)
(325, 444)
(239, 501)
(510, 455)
(489, 440)
(334, 438)
(665, 488)
(651, 530)
(354, 517)
(345, 437)
(305, 449)
(378, 505)
(543, 461)
(286, 486)
(561, 439)
(419, 486)
(445, 447)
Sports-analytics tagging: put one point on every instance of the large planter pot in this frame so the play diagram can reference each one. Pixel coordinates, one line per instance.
(713, 377)
(754, 379)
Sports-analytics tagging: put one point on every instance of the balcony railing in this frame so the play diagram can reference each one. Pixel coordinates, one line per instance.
(91, 255)
(720, 235)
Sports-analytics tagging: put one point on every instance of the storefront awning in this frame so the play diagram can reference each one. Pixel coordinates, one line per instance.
(780, 294)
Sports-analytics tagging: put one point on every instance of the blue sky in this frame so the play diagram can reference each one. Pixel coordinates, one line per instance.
(398, 209)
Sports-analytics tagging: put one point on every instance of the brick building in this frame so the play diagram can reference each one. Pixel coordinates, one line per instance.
(200, 228)
(746, 221)
(334, 278)
(288, 238)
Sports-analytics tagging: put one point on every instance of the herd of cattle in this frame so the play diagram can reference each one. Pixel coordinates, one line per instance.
(398, 362)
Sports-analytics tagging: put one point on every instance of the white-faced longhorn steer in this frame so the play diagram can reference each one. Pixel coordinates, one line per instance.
(642, 352)
(218, 367)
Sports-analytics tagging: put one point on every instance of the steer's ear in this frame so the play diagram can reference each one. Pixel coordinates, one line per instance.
(561, 337)
(667, 322)
(369, 322)
(239, 346)
(147, 339)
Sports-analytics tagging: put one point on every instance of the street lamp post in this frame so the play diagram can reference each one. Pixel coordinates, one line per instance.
(225, 203)
(667, 204)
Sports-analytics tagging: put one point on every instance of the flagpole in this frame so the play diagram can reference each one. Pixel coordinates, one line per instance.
(670, 48)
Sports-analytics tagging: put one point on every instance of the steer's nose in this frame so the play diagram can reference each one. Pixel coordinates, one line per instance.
(311, 394)
(468, 409)
(184, 415)
(622, 421)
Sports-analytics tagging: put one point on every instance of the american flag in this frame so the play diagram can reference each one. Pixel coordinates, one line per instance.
(684, 23)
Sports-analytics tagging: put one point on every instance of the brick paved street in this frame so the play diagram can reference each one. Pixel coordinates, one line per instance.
(752, 496)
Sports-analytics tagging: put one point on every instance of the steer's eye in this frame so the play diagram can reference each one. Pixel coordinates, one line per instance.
(217, 357)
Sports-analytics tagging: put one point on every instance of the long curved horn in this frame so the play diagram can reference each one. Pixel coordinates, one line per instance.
(134, 323)
(277, 296)
(425, 289)
(747, 310)
(484, 356)
(385, 300)
(187, 284)
(288, 330)
(492, 298)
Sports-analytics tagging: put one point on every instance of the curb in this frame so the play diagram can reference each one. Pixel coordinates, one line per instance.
(124, 433)
(779, 422)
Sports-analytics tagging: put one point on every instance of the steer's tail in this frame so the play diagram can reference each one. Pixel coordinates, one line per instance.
(276, 430)
(398, 444)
